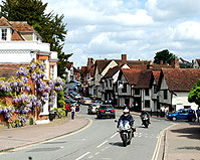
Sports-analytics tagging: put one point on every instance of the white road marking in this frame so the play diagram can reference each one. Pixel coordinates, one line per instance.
(157, 149)
(113, 135)
(97, 153)
(90, 156)
(102, 144)
(83, 155)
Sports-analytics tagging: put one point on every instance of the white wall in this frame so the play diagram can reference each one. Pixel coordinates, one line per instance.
(181, 100)
(20, 45)
(16, 56)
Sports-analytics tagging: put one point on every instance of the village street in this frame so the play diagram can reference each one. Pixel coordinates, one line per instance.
(99, 140)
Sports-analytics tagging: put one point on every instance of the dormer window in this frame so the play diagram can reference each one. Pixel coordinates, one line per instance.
(4, 34)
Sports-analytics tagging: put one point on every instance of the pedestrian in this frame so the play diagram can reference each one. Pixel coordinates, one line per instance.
(73, 110)
(66, 109)
(162, 111)
(198, 113)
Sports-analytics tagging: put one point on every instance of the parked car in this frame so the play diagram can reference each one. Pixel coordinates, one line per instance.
(93, 108)
(188, 114)
(69, 100)
(106, 110)
(77, 96)
(86, 100)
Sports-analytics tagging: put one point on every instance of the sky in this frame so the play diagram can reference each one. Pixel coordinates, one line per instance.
(102, 29)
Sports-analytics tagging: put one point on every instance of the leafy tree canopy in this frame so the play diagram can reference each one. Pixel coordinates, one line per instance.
(165, 56)
(48, 25)
(194, 95)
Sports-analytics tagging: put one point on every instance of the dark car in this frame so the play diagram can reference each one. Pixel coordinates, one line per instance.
(69, 100)
(184, 114)
(106, 110)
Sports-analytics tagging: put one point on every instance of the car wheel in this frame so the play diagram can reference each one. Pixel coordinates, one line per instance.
(193, 119)
(174, 118)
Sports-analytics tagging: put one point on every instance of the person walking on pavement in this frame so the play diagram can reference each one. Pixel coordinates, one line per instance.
(66, 109)
(73, 110)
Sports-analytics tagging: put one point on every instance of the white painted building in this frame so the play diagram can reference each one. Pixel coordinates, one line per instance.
(21, 44)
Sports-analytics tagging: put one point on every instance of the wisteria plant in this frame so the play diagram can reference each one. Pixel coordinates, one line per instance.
(25, 99)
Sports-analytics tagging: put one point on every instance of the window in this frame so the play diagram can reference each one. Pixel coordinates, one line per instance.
(146, 92)
(187, 107)
(165, 94)
(124, 89)
(4, 34)
(137, 92)
(52, 71)
(147, 104)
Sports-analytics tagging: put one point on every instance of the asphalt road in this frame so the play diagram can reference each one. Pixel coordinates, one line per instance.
(98, 141)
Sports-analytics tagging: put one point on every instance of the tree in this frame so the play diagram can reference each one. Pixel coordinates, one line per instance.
(165, 56)
(194, 95)
(49, 26)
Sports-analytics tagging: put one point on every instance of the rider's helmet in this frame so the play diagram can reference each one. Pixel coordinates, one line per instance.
(126, 112)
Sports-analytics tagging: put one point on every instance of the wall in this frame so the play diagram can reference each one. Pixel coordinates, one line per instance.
(181, 100)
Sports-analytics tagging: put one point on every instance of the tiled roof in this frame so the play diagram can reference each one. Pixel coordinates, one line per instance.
(156, 75)
(8, 70)
(198, 61)
(4, 22)
(16, 36)
(22, 26)
(145, 79)
(92, 71)
(111, 72)
(75, 70)
(101, 64)
(17, 27)
(181, 79)
(132, 75)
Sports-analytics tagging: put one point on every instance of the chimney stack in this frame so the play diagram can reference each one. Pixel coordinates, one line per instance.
(124, 57)
(161, 62)
(175, 63)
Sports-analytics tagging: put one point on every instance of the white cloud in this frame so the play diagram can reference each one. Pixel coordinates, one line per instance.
(106, 29)
(187, 31)
(172, 9)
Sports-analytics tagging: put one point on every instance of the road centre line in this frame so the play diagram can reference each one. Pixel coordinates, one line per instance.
(102, 144)
(113, 135)
(83, 155)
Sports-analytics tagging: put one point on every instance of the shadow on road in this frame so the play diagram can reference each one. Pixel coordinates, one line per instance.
(120, 144)
(190, 130)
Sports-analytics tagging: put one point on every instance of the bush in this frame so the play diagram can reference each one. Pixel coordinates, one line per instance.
(31, 121)
(60, 112)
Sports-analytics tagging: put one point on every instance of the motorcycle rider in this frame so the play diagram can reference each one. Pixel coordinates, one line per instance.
(126, 116)
(143, 113)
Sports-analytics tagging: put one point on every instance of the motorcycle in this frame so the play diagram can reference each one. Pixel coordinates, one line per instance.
(145, 120)
(126, 132)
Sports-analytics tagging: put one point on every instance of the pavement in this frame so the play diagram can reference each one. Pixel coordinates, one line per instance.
(178, 142)
(31, 134)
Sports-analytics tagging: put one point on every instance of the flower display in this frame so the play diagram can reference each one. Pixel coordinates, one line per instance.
(23, 99)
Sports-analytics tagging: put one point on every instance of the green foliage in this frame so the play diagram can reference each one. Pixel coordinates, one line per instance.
(164, 55)
(31, 121)
(49, 26)
(61, 99)
(60, 112)
(194, 95)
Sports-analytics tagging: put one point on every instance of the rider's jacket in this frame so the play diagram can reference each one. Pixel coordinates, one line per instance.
(128, 118)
